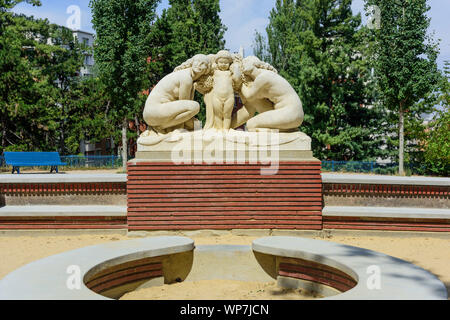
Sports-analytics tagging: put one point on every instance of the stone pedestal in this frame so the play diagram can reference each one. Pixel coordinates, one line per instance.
(253, 185)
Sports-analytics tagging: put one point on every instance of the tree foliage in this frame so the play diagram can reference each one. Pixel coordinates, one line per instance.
(186, 28)
(122, 49)
(405, 63)
(436, 139)
(39, 62)
(320, 47)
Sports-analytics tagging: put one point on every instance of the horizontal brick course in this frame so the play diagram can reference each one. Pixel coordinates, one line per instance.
(61, 188)
(315, 272)
(190, 197)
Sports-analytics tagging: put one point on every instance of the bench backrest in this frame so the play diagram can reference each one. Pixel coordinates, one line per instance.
(29, 158)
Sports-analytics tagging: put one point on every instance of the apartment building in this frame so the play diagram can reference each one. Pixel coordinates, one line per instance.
(87, 39)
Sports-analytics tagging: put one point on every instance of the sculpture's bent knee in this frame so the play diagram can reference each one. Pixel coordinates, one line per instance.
(170, 113)
(285, 117)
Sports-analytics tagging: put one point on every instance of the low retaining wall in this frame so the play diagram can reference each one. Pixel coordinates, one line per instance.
(385, 191)
(63, 189)
(223, 197)
(362, 202)
(63, 201)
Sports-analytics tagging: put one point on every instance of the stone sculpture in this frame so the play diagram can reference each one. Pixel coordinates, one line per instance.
(269, 94)
(171, 104)
(219, 92)
(270, 104)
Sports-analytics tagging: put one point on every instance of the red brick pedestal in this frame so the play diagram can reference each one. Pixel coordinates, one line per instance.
(165, 196)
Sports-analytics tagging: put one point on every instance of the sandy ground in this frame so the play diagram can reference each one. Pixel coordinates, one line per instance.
(432, 254)
(219, 290)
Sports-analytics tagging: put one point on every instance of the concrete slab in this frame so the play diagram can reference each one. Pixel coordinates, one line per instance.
(121, 178)
(63, 178)
(47, 279)
(385, 234)
(383, 212)
(399, 279)
(372, 179)
(63, 211)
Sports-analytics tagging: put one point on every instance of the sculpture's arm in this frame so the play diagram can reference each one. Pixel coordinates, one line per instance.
(251, 92)
(242, 116)
(186, 91)
(236, 76)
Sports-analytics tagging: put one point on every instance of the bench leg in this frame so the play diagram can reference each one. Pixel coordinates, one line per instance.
(16, 169)
(54, 168)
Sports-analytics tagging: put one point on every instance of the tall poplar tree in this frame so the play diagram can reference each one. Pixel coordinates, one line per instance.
(405, 60)
(121, 51)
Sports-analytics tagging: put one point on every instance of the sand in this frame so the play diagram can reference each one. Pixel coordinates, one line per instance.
(432, 254)
(219, 290)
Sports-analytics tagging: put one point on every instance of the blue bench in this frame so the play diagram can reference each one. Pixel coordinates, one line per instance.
(33, 159)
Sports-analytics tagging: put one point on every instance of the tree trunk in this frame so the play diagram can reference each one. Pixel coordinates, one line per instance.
(401, 146)
(137, 124)
(3, 134)
(401, 135)
(124, 145)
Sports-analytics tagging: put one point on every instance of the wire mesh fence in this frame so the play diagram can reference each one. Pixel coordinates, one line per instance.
(106, 162)
(374, 167)
(115, 162)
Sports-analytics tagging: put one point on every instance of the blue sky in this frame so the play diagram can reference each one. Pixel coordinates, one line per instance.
(242, 17)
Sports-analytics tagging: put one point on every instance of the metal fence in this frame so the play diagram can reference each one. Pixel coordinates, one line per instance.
(369, 167)
(106, 162)
(113, 162)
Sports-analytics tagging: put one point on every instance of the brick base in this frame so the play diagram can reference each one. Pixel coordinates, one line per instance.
(164, 196)
(387, 224)
(316, 272)
(55, 223)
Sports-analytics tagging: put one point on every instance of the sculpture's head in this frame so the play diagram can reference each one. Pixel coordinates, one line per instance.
(200, 65)
(223, 60)
(251, 63)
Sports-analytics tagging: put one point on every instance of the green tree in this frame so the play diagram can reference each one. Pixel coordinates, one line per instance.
(435, 139)
(17, 87)
(196, 28)
(183, 30)
(121, 52)
(88, 114)
(405, 61)
(437, 149)
(38, 63)
(320, 47)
